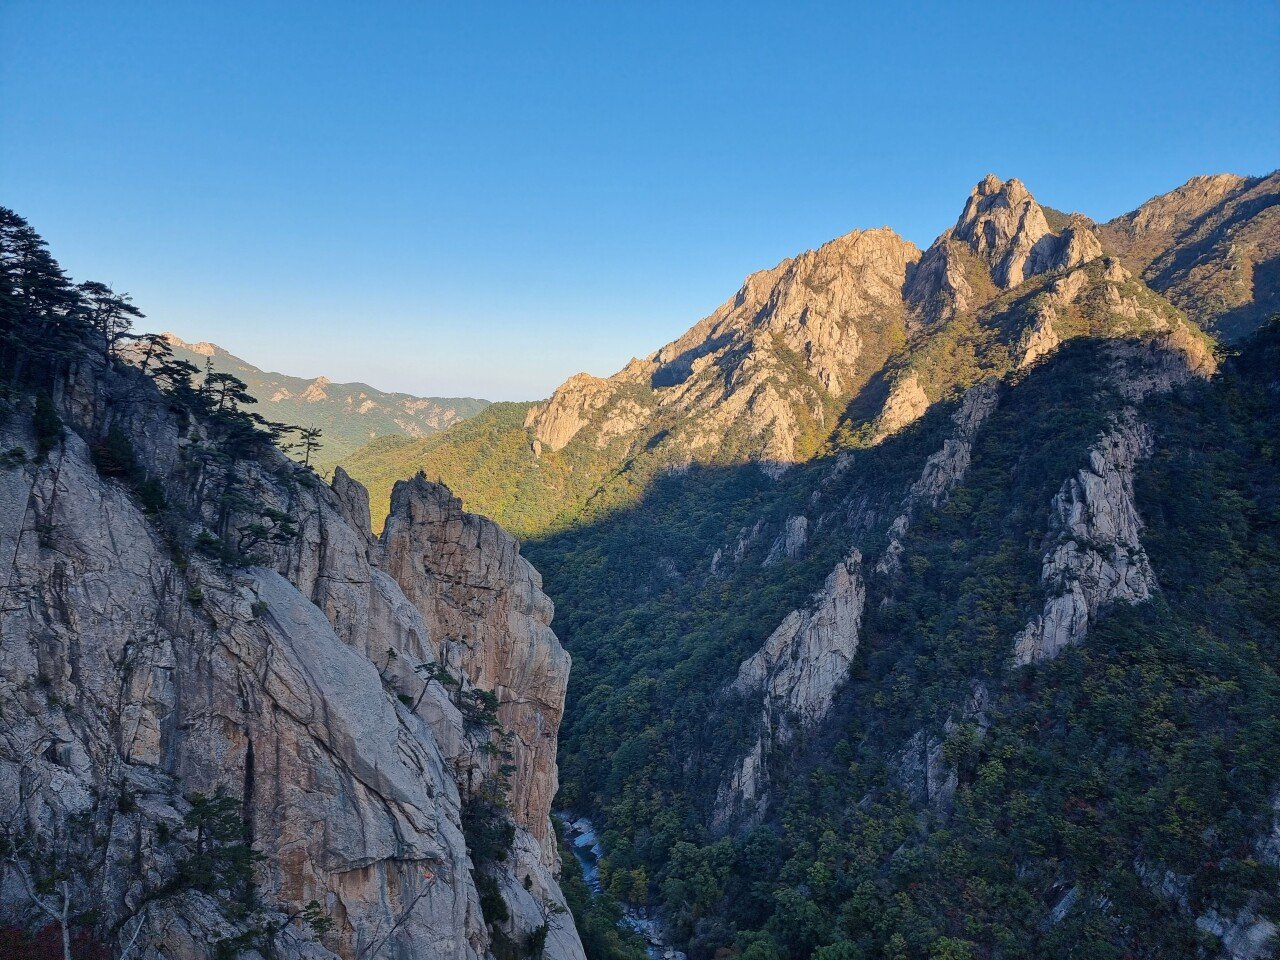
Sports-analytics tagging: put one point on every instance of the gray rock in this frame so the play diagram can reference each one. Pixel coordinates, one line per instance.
(795, 675)
(1093, 555)
(304, 687)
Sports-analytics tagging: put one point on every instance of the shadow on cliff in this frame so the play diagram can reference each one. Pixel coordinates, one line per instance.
(659, 603)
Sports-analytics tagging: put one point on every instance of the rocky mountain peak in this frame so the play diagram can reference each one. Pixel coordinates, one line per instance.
(1211, 246)
(1001, 239)
(813, 322)
(1175, 210)
(809, 299)
(1002, 223)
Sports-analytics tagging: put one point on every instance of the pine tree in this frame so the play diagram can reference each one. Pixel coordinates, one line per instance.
(111, 314)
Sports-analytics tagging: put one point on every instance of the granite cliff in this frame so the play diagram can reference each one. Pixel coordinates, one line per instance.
(236, 723)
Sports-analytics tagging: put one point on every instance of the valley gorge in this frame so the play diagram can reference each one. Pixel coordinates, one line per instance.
(913, 604)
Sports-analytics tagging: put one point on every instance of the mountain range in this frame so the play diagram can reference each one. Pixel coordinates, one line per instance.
(898, 585)
(914, 604)
(349, 414)
(860, 336)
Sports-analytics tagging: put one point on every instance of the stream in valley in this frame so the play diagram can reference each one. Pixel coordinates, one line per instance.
(587, 850)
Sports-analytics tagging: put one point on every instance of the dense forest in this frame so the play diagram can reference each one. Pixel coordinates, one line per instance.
(1143, 753)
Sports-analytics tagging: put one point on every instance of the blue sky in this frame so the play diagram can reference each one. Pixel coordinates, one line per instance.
(485, 198)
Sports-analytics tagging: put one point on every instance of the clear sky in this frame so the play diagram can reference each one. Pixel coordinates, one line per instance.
(483, 198)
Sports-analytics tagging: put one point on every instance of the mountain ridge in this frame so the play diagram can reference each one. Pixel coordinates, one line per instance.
(349, 414)
(795, 355)
(835, 625)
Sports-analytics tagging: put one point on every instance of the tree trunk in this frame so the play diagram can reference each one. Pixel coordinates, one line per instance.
(66, 929)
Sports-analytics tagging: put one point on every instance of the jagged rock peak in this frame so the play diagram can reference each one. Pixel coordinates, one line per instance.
(810, 327)
(1002, 223)
(1005, 231)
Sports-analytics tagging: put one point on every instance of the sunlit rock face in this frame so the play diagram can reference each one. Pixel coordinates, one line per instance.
(483, 604)
(302, 688)
(1001, 240)
(761, 365)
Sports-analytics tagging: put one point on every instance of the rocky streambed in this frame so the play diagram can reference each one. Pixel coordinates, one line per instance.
(588, 849)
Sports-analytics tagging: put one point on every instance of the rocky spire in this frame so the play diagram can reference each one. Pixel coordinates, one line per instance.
(1001, 240)
(489, 621)
(1002, 223)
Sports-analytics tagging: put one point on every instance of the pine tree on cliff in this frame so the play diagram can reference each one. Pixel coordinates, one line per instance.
(41, 321)
(111, 314)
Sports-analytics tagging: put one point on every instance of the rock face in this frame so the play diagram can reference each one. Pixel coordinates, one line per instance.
(1002, 224)
(569, 410)
(812, 328)
(1212, 246)
(483, 605)
(813, 303)
(790, 543)
(906, 403)
(1094, 555)
(922, 768)
(942, 471)
(1001, 239)
(304, 688)
(795, 674)
(1246, 936)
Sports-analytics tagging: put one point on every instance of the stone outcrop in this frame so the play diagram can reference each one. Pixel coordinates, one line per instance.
(489, 621)
(944, 469)
(1094, 555)
(795, 676)
(1001, 240)
(906, 403)
(791, 542)
(1042, 338)
(570, 408)
(1241, 933)
(306, 687)
(922, 770)
(1244, 935)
